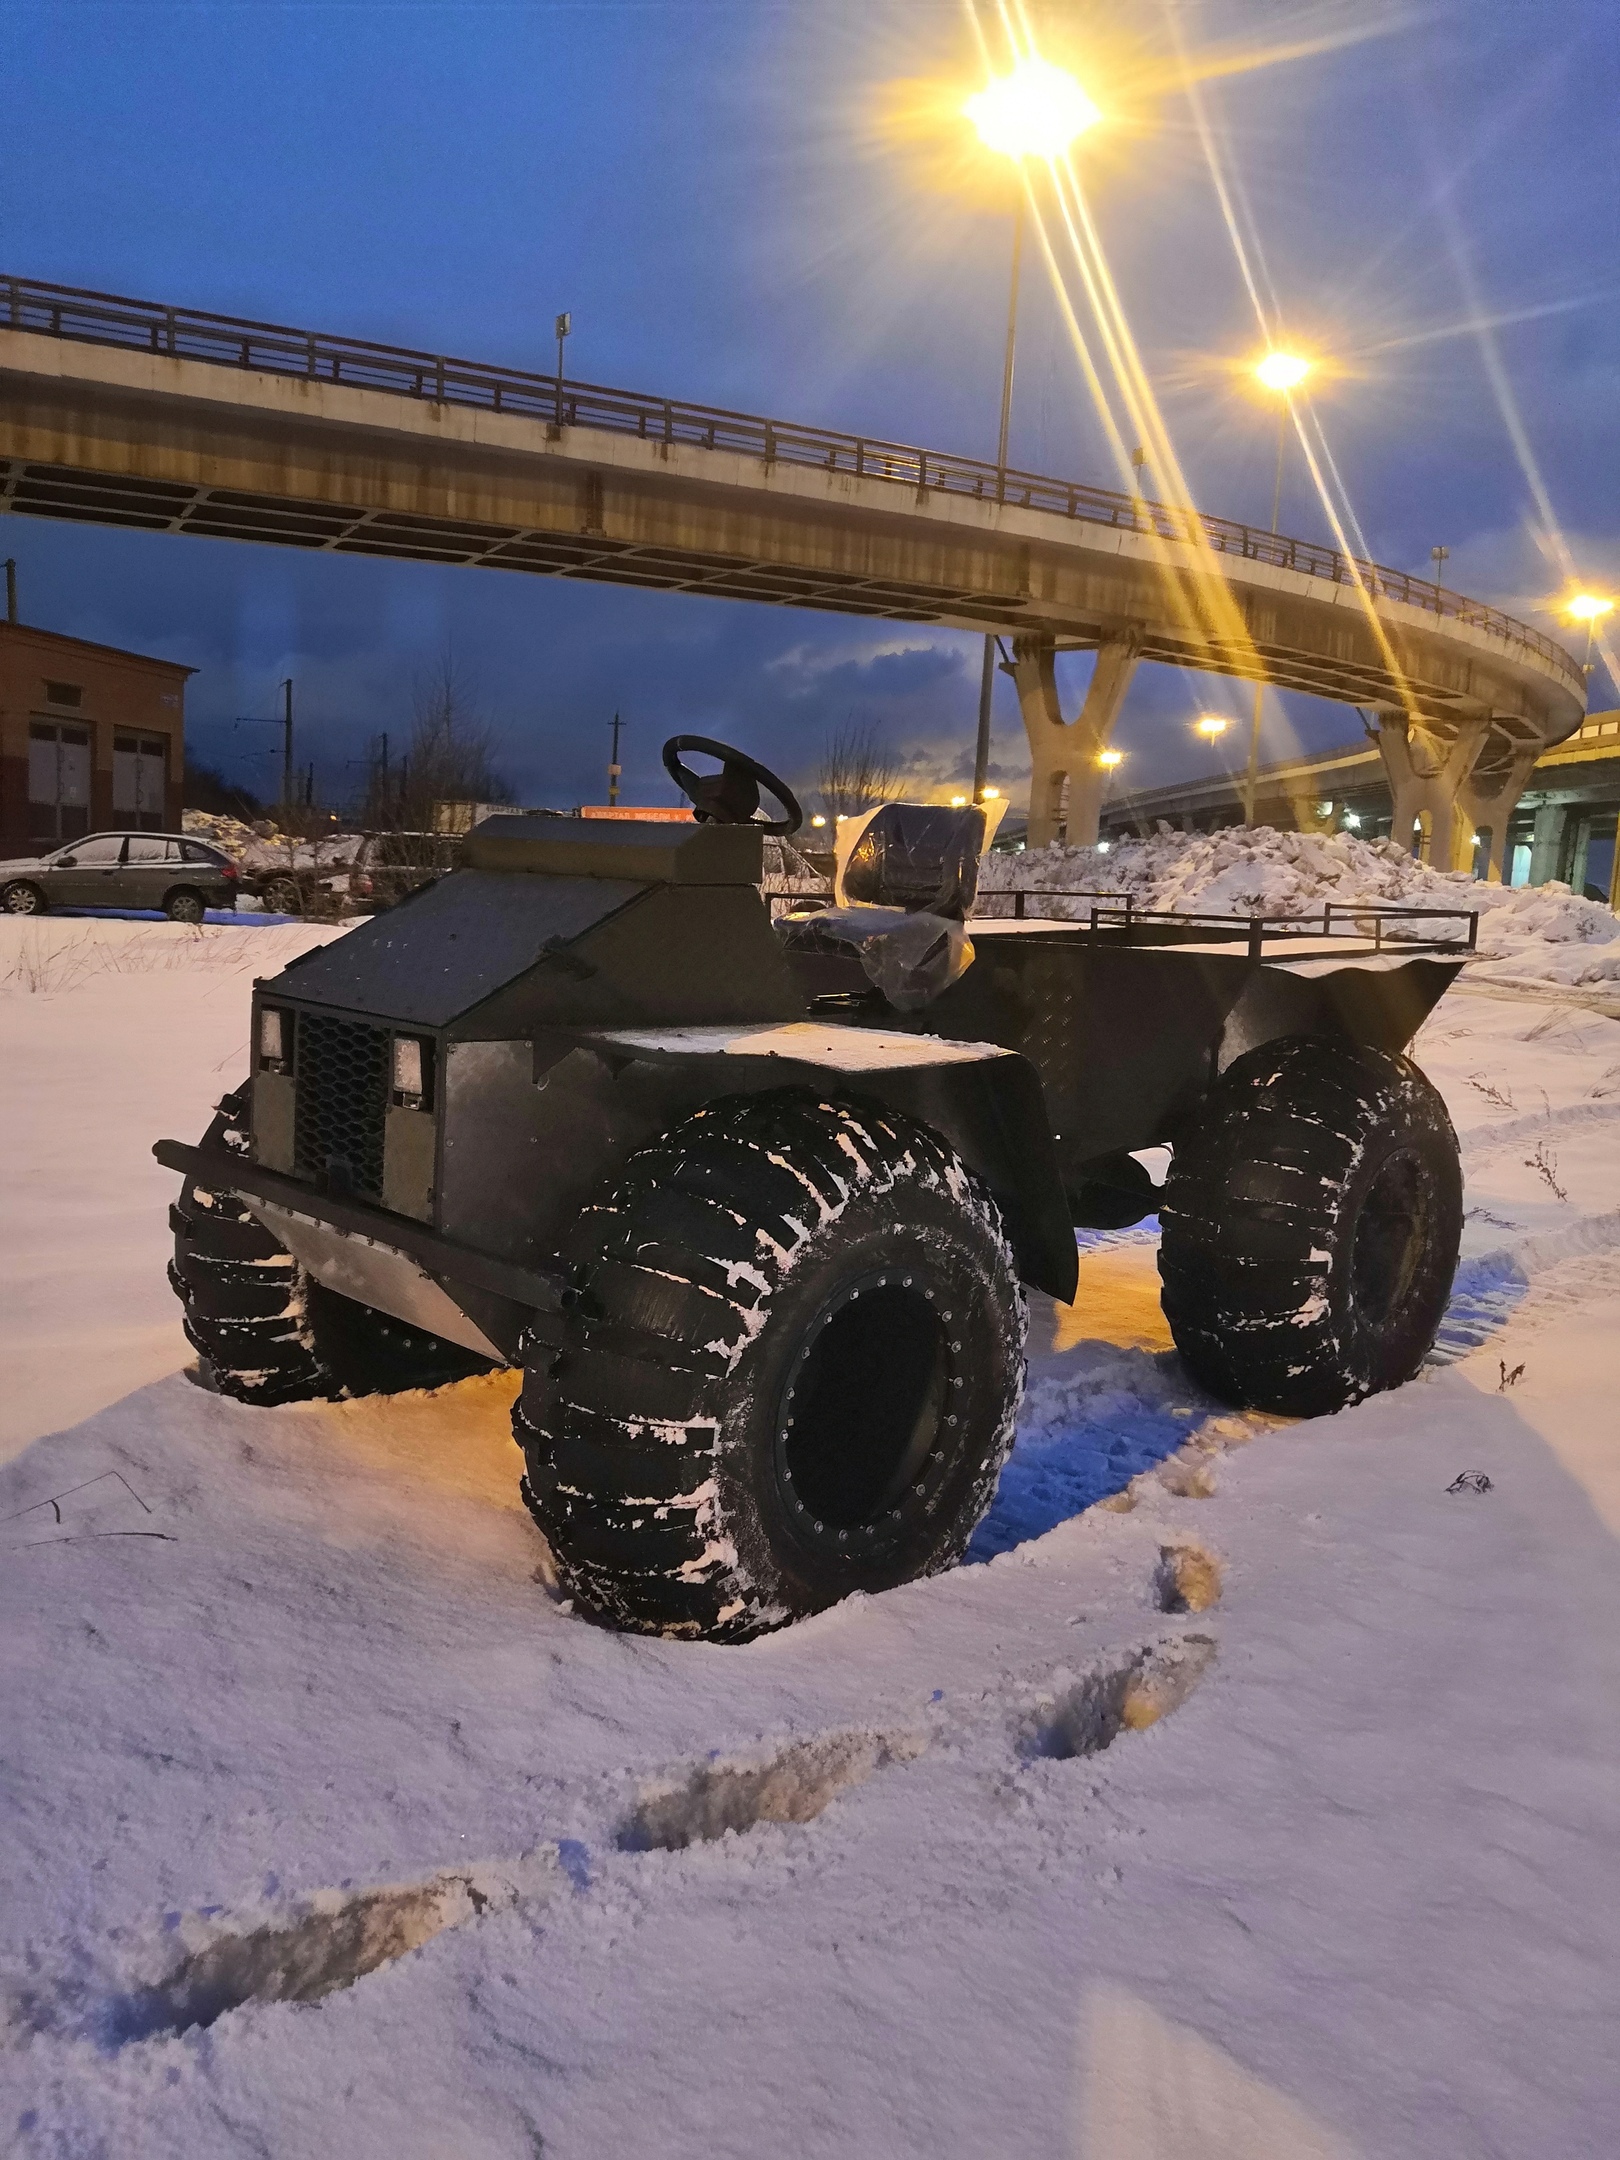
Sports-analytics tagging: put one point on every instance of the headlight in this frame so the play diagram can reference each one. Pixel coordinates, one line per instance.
(274, 1036)
(413, 1070)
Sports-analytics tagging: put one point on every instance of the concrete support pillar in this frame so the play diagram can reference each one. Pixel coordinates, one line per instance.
(1066, 782)
(1489, 805)
(1426, 774)
(1547, 841)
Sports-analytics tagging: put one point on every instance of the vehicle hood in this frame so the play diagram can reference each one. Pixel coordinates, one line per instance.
(22, 862)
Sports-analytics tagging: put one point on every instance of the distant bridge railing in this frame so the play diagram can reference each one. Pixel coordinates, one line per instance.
(63, 311)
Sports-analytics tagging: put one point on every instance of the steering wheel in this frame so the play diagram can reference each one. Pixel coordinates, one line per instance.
(730, 796)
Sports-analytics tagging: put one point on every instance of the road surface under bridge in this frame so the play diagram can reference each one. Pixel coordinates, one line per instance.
(124, 412)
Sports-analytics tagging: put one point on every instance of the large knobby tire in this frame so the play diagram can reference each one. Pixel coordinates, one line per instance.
(801, 1364)
(264, 1331)
(1310, 1227)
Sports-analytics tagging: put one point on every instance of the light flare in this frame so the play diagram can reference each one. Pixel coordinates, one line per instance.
(1035, 111)
(1282, 371)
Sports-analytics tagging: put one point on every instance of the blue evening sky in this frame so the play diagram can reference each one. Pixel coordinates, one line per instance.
(710, 187)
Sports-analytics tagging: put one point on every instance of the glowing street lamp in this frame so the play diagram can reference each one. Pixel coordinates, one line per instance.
(1213, 725)
(1108, 759)
(1036, 111)
(1282, 370)
(1589, 608)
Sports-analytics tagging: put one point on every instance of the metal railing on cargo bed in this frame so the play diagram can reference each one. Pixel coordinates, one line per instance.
(1118, 912)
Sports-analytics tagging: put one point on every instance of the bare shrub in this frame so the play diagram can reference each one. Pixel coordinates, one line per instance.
(857, 771)
(450, 756)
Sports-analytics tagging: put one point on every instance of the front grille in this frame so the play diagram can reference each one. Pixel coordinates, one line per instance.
(342, 1069)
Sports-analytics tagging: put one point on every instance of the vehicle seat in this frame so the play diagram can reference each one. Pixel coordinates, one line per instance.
(914, 856)
(907, 878)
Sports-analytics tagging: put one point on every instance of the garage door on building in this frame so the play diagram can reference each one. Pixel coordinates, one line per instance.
(58, 781)
(140, 773)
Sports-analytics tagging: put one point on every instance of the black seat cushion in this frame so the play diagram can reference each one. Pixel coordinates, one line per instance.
(918, 856)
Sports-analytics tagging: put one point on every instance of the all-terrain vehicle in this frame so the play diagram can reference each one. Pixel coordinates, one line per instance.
(753, 1203)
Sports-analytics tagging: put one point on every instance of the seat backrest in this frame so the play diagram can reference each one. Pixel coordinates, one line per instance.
(916, 856)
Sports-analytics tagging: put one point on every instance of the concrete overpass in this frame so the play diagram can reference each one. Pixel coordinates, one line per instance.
(124, 412)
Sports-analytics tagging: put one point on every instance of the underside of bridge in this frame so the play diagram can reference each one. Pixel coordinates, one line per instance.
(1465, 698)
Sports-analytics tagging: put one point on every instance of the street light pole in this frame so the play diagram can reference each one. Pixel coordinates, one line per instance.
(565, 323)
(987, 677)
(614, 768)
(1035, 111)
(1278, 371)
(1251, 777)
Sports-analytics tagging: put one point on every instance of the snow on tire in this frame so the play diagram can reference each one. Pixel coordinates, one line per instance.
(1311, 1220)
(264, 1331)
(798, 1375)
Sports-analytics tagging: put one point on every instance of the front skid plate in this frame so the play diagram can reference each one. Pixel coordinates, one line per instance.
(373, 1274)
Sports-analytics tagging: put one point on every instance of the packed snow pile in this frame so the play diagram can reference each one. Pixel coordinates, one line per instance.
(265, 846)
(1541, 933)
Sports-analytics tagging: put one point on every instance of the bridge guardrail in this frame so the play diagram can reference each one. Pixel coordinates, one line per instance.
(65, 311)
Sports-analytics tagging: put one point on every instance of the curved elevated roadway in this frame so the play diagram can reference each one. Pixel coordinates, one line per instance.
(125, 412)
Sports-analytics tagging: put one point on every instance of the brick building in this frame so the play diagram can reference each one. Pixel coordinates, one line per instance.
(90, 737)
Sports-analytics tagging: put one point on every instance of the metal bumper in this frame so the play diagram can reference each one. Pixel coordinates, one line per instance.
(403, 1268)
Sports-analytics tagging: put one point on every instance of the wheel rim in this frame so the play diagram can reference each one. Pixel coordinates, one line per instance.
(862, 1422)
(1392, 1231)
(20, 901)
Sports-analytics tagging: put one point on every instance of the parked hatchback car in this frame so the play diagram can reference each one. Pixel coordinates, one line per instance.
(392, 864)
(183, 878)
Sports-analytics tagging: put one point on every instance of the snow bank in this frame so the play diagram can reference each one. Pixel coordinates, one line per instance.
(266, 847)
(1542, 933)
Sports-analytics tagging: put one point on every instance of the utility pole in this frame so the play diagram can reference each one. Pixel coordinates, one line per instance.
(289, 779)
(565, 323)
(1439, 557)
(288, 784)
(11, 588)
(614, 767)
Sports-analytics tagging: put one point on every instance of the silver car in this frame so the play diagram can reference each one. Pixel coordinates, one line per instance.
(182, 878)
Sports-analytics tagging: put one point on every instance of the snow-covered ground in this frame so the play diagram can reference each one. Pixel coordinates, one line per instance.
(1024, 1860)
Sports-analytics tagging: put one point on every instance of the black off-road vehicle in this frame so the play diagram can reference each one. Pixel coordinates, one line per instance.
(752, 1203)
